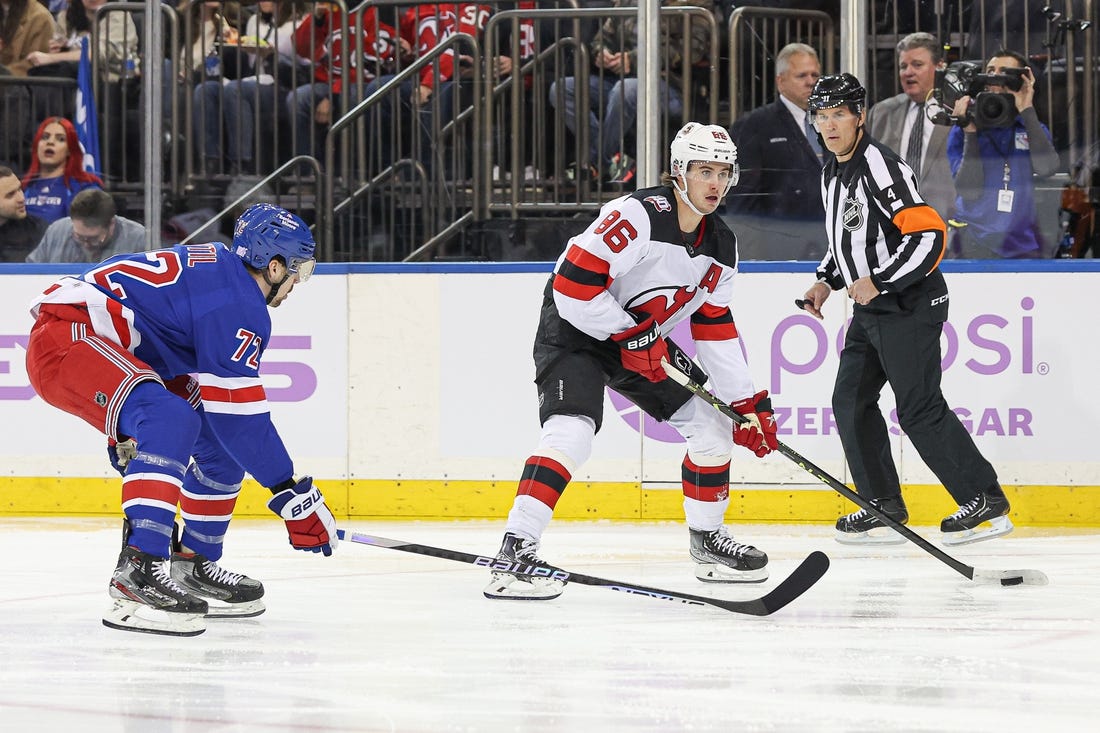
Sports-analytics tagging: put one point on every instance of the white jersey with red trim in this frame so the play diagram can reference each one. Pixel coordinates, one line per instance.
(633, 259)
(191, 309)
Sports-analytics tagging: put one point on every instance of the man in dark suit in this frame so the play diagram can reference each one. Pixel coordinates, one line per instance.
(892, 121)
(776, 207)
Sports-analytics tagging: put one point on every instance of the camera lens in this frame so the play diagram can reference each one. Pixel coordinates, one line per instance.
(994, 110)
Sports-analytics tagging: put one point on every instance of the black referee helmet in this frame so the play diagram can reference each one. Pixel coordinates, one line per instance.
(835, 90)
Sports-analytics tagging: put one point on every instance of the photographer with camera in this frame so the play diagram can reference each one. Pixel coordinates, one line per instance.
(997, 148)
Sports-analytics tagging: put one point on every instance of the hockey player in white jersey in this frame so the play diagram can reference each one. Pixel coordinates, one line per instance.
(649, 261)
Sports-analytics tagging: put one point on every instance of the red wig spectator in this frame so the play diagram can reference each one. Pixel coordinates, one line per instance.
(56, 173)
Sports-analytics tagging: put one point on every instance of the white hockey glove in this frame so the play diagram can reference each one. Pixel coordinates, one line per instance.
(309, 522)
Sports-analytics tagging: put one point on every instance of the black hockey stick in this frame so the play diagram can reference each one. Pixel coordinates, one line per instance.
(795, 584)
(1004, 577)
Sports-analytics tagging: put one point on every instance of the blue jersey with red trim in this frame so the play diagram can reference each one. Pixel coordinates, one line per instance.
(191, 309)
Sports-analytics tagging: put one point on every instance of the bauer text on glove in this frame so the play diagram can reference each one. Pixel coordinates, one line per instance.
(309, 522)
(643, 349)
(758, 432)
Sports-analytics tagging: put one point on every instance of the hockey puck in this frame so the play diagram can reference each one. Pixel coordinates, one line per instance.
(1014, 580)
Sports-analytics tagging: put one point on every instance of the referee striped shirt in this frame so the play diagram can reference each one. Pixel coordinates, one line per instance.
(878, 224)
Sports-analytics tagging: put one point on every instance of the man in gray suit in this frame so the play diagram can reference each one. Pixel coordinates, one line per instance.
(892, 122)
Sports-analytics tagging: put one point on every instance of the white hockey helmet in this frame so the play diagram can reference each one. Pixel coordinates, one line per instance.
(709, 143)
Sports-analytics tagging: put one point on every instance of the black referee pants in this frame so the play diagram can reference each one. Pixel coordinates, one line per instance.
(896, 339)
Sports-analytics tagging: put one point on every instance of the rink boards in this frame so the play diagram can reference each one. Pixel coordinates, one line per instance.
(406, 390)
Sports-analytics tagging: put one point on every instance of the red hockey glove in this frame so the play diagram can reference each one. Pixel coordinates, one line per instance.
(758, 434)
(308, 521)
(643, 349)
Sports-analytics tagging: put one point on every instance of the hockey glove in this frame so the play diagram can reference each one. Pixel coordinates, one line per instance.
(308, 521)
(643, 349)
(121, 453)
(758, 432)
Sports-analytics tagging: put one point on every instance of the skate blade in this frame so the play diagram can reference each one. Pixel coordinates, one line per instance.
(718, 573)
(515, 588)
(997, 527)
(876, 536)
(126, 615)
(248, 609)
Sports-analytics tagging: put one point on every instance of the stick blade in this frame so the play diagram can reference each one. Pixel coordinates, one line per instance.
(801, 580)
(1010, 577)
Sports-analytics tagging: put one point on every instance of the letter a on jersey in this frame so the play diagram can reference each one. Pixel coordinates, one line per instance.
(853, 214)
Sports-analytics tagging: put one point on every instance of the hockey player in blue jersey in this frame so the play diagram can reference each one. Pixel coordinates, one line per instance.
(161, 352)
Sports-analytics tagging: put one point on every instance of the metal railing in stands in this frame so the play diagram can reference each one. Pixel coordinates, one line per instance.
(588, 195)
(502, 150)
(756, 35)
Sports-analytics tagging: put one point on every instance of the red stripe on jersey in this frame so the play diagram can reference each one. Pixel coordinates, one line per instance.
(587, 261)
(583, 275)
(239, 395)
(713, 323)
(152, 489)
(122, 328)
(208, 507)
(705, 483)
(544, 479)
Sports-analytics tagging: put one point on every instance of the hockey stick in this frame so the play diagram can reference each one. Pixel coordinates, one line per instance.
(804, 576)
(1004, 577)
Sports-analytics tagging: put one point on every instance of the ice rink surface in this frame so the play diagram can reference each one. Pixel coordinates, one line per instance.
(373, 639)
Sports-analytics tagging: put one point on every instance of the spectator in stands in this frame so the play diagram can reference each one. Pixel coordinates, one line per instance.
(118, 60)
(207, 25)
(25, 27)
(613, 85)
(435, 97)
(313, 106)
(235, 105)
(56, 173)
(903, 124)
(20, 232)
(117, 42)
(91, 232)
(777, 203)
(994, 169)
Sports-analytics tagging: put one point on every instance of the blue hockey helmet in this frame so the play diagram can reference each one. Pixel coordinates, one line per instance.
(265, 231)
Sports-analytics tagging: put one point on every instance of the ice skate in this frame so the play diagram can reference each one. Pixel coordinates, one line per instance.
(721, 559)
(228, 595)
(147, 599)
(863, 528)
(520, 554)
(968, 524)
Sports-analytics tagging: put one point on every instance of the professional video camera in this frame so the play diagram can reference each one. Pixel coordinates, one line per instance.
(987, 109)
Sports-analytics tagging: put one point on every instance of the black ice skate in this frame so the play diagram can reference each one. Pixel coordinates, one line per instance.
(965, 525)
(862, 528)
(721, 559)
(147, 599)
(229, 595)
(520, 554)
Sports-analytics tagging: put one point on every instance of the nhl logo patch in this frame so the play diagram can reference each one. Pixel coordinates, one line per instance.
(101, 399)
(852, 218)
(660, 203)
